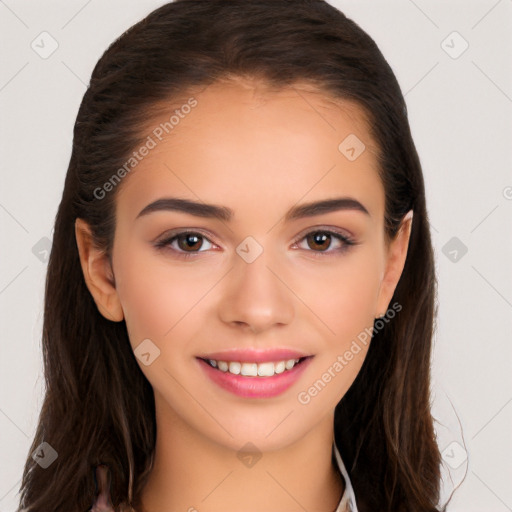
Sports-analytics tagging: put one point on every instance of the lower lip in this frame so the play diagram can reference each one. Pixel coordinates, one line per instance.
(255, 387)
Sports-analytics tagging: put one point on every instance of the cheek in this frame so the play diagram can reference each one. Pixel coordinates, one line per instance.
(154, 296)
(344, 295)
(346, 304)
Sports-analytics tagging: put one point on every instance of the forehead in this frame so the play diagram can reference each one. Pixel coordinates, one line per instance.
(243, 143)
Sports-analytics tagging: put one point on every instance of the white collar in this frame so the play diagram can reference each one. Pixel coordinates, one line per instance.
(348, 500)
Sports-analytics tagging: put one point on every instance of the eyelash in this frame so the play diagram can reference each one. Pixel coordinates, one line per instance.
(346, 240)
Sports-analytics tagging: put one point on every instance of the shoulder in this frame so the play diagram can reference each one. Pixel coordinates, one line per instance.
(102, 502)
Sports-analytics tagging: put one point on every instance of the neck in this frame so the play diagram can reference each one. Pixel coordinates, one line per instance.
(194, 473)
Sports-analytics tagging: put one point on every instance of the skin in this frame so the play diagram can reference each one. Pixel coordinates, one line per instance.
(259, 153)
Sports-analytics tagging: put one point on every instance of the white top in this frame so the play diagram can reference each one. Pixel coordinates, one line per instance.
(348, 500)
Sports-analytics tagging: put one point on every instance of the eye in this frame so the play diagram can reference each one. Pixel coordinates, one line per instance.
(184, 243)
(322, 239)
(319, 242)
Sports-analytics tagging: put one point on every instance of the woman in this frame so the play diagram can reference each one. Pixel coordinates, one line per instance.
(241, 291)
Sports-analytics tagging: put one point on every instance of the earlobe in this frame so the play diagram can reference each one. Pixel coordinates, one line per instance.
(395, 263)
(97, 273)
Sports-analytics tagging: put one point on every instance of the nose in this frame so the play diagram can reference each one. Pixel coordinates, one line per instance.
(256, 296)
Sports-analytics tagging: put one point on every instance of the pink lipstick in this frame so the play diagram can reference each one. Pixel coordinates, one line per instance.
(254, 373)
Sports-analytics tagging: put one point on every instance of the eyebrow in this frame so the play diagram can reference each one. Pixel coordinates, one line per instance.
(226, 214)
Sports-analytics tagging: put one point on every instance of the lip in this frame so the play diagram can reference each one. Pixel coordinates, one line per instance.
(255, 387)
(255, 356)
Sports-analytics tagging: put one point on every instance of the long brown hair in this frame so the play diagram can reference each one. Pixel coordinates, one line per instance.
(98, 406)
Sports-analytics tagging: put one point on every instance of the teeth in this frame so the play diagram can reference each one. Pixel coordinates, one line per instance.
(290, 364)
(235, 368)
(249, 369)
(254, 369)
(266, 369)
(280, 367)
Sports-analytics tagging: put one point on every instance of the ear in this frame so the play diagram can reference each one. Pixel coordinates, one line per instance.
(395, 261)
(98, 273)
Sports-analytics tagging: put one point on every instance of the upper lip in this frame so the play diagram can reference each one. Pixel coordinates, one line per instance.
(255, 356)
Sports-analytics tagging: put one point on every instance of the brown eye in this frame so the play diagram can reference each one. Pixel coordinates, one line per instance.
(189, 241)
(185, 243)
(319, 240)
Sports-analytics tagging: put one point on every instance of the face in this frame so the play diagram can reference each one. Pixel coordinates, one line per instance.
(263, 283)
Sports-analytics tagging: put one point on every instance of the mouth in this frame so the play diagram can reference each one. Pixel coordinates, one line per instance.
(254, 369)
(254, 379)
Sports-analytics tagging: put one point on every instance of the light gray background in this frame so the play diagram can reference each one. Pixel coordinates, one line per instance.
(460, 110)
